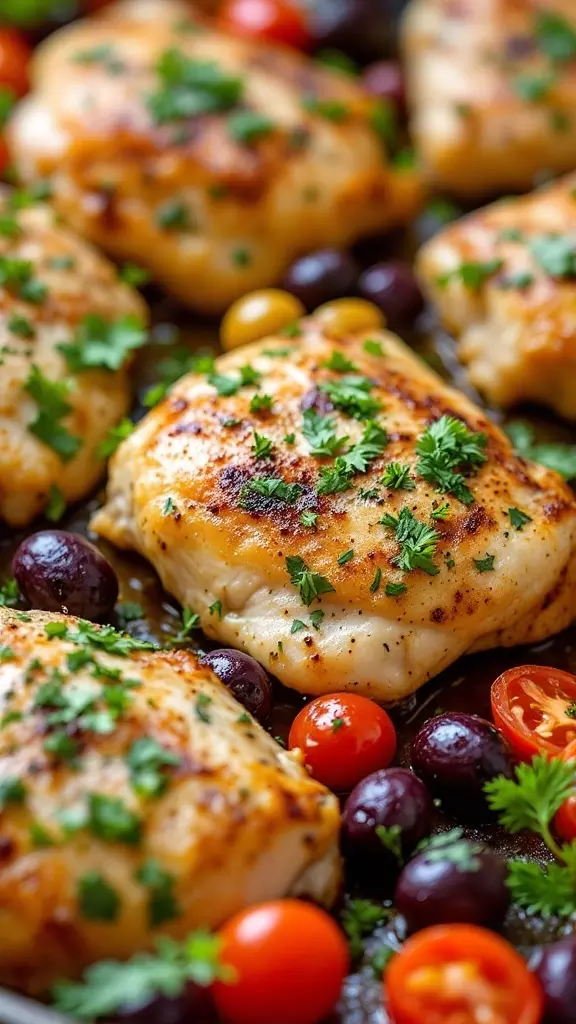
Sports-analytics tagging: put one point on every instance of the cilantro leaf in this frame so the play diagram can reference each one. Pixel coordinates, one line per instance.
(397, 477)
(162, 904)
(485, 564)
(339, 363)
(472, 274)
(310, 584)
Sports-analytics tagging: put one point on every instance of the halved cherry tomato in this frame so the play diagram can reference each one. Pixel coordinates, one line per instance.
(290, 960)
(565, 820)
(460, 974)
(276, 20)
(532, 705)
(14, 57)
(344, 737)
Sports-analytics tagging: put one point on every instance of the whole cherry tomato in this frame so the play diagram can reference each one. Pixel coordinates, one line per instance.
(344, 737)
(535, 707)
(277, 20)
(565, 820)
(290, 960)
(14, 58)
(460, 974)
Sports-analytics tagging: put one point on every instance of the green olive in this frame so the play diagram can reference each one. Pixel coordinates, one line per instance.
(257, 315)
(348, 316)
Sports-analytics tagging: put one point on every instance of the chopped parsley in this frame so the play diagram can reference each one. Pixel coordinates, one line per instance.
(331, 110)
(21, 326)
(451, 846)
(485, 564)
(162, 904)
(471, 274)
(522, 279)
(555, 254)
(359, 919)
(216, 609)
(114, 438)
(97, 900)
(373, 348)
(247, 126)
(110, 819)
(345, 557)
(339, 363)
(417, 542)
(311, 585)
(12, 791)
(188, 88)
(17, 276)
(351, 394)
(375, 585)
(397, 477)
(174, 215)
(270, 487)
(395, 589)
(190, 621)
(203, 702)
(556, 455)
(261, 403)
(50, 397)
(262, 446)
(320, 432)
(532, 88)
(9, 594)
(555, 36)
(297, 625)
(517, 518)
(391, 838)
(146, 760)
(447, 449)
(309, 519)
(102, 344)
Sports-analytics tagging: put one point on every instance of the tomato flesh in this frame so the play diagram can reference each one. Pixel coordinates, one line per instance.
(289, 959)
(460, 974)
(14, 59)
(344, 737)
(535, 707)
(275, 20)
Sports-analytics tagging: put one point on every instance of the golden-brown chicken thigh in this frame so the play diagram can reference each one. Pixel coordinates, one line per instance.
(492, 85)
(503, 280)
(137, 798)
(211, 159)
(68, 327)
(338, 512)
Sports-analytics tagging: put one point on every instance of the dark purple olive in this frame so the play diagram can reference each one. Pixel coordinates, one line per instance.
(453, 880)
(456, 754)
(193, 1005)
(555, 967)
(394, 289)
(385, 80)
(246, 679)
(391, 796)
(361, 28)
(321, 276)
(61, 572)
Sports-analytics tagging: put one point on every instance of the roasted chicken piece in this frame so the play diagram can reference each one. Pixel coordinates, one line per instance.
(492, 85)
(138, 798)
(503, 281)
(214, 160)
(337, 511)
(68, 327)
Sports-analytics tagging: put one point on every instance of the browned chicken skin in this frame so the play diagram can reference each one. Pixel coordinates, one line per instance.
(126, 773)
(283, 157)
(57, 297)
(493, 90)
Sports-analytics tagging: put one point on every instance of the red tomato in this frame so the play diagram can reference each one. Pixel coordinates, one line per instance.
(290, 960)
(531, 706)
(344, 738)
(461, 974)
(276, 20)
(14, 57)
(565, 820)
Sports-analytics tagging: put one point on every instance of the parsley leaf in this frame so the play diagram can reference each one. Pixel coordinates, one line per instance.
(320, 433)
(50, 397)
(111, 985)
(535, 87)
(417, 542)
(56, 504)
(351, 394)
(9, 594)
(395, 589)
(162, 904)
(451, 846)
(556, 37)
(397, 477)
(471, 274)
(310, 584)
(247, 126)
(533, 797)
(518, 519)
(97, 899)
(145, 760)
(269, 487)
(391, 839)
(359, 919)
(102, 344)
(445, 447)
(556, 455)
(550, 891)
(485, 564)
(555, 254)
(309, 519)
(188, 88)
(110, 819)
(339, 363)
(114, 438)
(373, 441)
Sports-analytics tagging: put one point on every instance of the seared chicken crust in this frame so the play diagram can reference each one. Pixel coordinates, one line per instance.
(211, 159)
(492, 85)
(53, 412)
(138, 798)
(502, 280)
(344, 571)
